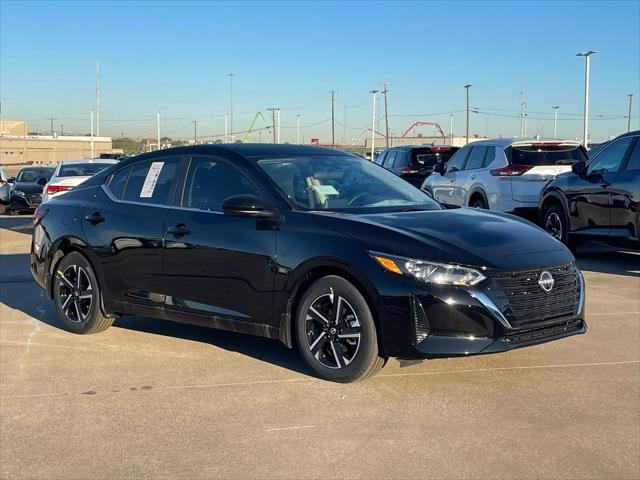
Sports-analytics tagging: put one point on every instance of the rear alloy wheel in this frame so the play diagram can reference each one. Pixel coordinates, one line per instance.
(478, 202)
(555, 224)
(77, 296)
(336, 333)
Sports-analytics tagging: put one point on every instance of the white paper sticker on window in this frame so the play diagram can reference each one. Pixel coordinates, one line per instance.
(326, 189)
(151, 180)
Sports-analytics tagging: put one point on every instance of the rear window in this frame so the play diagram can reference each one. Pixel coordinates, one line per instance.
(541, 155)
(81, 169)
(428, 157)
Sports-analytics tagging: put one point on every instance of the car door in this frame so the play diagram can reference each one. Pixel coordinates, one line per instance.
(218, 267)
(124, 225)
(625, 195)
(590, 205)
(445, 186)
(466, 177)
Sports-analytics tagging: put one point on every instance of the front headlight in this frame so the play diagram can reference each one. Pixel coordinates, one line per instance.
(19, 193)
(429, 272)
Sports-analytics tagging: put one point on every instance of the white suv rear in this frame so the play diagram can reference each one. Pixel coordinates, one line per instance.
(71, 173)
(504, 175)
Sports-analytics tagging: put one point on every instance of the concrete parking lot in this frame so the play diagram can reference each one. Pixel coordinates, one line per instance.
(153, 399)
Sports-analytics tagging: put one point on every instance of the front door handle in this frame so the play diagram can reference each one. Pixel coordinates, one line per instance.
(473, 177)
(94, 218)
(179, 230)
(605, 184)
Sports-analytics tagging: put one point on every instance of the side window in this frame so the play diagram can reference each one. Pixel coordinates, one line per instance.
(211, 181)
(476, 158)
(380, 158)
(634, 159)
(610, 159)
(150, 182)
(390, 159)
(490, 156)
(456, 162)
(117, 182)
(401, 159)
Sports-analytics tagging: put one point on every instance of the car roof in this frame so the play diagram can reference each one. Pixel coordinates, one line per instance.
(420, 145)
(507, 142)
(88, 160)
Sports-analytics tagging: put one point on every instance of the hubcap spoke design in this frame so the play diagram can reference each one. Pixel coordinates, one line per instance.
(75, 292)
(553, 226)
(333, 331)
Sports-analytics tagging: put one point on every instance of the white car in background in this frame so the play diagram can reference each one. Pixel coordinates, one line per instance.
(71, 173)
(503, 174)
(4, 186)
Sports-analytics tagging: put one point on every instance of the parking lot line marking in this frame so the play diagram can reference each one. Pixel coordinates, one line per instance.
(607, 314)
(495, 369)
(288, 428)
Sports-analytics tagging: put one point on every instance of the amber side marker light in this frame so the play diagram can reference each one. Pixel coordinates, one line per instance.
(388, 264)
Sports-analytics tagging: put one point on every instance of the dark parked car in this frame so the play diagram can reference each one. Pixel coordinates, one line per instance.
(414, 162)
(308, 245)
(599, 199)
(26, 188)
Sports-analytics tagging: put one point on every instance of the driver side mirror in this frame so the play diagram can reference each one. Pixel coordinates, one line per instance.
(579, 168)
(440, 167)
(11, 180)
(42, 181)
(244, 206)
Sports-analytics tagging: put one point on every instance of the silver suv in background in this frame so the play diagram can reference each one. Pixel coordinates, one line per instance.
(503, 174)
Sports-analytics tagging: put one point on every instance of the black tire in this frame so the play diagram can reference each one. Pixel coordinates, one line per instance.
(353, 335)
(556, 224)
(478, 202)
(76, 295)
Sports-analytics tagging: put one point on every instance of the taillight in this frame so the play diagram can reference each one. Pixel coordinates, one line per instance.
(408, 170)
(2, 182)
(39, 214)
(511, 170)
(57, 188)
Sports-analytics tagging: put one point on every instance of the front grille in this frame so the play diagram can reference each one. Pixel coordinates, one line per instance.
(526, 305)
(35, 199)
(532, 334)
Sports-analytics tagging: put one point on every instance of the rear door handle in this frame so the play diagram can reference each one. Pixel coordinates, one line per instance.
(179, 230)
(95, 217)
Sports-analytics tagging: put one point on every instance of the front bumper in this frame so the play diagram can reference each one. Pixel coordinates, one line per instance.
(454, 321)
(28, 202)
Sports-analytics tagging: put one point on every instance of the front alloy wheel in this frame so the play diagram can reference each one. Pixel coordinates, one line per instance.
(76, 293)
(336, 333)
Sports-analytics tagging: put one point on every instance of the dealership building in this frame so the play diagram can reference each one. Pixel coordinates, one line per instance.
(18, 147)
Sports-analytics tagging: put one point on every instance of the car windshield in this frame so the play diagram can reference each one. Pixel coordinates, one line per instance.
(32, 175)
(81, 169)
(545, 154)
(343, 184)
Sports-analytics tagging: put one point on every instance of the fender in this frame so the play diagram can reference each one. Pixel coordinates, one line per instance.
(477, 189)
(305, 272)
(556, 195)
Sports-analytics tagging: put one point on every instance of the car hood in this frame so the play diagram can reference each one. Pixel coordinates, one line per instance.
(27, 187)
(463, 235)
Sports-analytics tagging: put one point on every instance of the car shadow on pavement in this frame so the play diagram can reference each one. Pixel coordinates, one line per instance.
(601, 258)
(18, 223)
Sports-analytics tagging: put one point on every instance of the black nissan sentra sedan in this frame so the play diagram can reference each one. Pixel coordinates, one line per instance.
(311, 246)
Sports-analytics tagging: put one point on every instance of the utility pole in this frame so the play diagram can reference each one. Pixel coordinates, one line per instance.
(231, 75)
(467, 87)
(158, 125)
(61, 129)
(451, 129)
(333, 118)
(525, 124)
(555, 121)
(587, 60)
(629, 117)
(278, 117)
(92, 147)
(373, 123)
(523, 104)
(226, 128)
(385, 89)
(195, 132)
(51, 120)
(97, 97)
(273, 122)
(298, 129)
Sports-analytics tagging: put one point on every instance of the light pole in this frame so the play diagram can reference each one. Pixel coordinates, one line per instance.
(629, 117)
(373, 121)
(467, 87)
(158, 125)
(226, 128)
(92, 147)
(587, 57)
(298, 129)
(451, 128)
(555, 121)
(231, 75)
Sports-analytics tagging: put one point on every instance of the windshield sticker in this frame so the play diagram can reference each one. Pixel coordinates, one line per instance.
(151, 180)
(325, 189)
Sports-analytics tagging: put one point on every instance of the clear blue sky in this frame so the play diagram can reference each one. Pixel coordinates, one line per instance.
(174, 57)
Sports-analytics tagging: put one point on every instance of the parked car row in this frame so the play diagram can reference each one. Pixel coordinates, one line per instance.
(322, 250)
